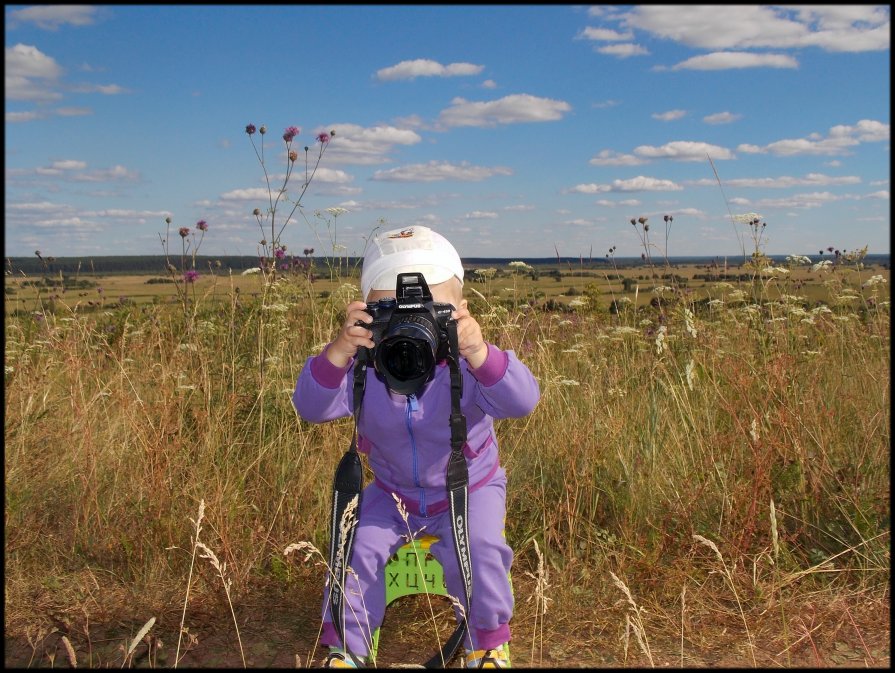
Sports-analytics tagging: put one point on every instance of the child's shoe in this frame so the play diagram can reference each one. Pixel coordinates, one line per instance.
(339, 658)
(493, 658)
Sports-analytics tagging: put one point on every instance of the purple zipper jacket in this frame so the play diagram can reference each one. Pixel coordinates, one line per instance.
(407, 438)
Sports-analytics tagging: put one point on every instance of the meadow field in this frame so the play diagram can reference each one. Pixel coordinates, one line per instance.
(705, 481)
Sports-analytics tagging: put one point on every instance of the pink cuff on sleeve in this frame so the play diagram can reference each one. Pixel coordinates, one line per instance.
(325, 372)
(493, 368)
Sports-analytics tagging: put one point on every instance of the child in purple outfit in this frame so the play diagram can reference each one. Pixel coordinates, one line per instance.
(407, 442)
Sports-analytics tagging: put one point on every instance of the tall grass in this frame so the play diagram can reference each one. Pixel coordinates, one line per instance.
(660, 430)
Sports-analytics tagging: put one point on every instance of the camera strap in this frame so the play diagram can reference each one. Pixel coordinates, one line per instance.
(347, 487)
(348, 484)
(458, 499)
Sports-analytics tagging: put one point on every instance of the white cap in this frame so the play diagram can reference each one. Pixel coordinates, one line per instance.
(411, 250)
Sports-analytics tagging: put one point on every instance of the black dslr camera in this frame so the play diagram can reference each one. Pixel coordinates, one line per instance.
(409, 333)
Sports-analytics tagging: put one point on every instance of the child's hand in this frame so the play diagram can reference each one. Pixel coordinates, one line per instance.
(352, 336)
(469, 336)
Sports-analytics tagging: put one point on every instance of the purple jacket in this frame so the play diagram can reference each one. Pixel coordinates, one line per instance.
(407, 438)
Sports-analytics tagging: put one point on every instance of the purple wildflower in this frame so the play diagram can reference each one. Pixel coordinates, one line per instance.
(284, 267)
(184, 232)
(190, 276)
(323, 138)
(250, 129)
(202, 225)
(290, 133)
(280, 253)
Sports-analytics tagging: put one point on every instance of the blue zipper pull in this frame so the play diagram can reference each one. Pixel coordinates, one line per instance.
(412, 401)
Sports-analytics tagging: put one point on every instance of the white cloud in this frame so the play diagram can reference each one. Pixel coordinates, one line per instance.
(511, 109)
(358, 145)
(489, 84)
(51, 17)
(833, 28)
(837, 142)
(481, 215)
(729, 60)
(610, 158)
(627, 203)
(16, 117)
(73, 111)
(69, 164)
(436, 171)
(24, 65)
(722, 118)
(639, 184)
(605, 35)
(670, 115)
(683, 150)
(786, 181)
(623, 50)
(422, 67)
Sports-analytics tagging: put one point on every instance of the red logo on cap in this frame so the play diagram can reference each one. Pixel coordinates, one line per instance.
(404, 233)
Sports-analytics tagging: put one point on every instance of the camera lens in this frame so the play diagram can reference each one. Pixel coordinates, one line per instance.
(406, 355)
(407, 359)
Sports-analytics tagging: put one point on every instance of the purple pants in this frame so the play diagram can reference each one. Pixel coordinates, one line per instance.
(380, 534)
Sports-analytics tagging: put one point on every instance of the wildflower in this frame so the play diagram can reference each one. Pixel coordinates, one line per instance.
(184, 232)
(688, 321)
(167, 220)
(661, 347)
(336, 211)
(280, 253)
(293, 155)
(873, 280)
(691, 374)
(202, 225)
(820, 266)
(323, 138)
(262, 130)
(249, 272)
(290, 133)
(250, 129)
(256, 212)
(798, 259)
(190, 276)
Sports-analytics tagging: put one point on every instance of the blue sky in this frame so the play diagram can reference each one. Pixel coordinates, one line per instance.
(516, 131)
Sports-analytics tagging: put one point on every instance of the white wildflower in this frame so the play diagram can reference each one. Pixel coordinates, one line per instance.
(661, 347)
(661, 289)
(253, 270)
(822, 265)
(798, 259)
(336, 211)
(519, 265)
(576, 303)
(689, 323)
(873, 280)
(753, 431)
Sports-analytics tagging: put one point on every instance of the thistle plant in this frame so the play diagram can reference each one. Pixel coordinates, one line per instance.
(272, 248)
(186, 275)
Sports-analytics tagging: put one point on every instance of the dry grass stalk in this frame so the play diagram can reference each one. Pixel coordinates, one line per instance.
(728, 575)
(197, 524)
(222, 568)
(70, 651)
(636, 624)
(136, 641)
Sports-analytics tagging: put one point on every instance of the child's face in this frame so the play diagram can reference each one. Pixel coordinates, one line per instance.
(448, 292)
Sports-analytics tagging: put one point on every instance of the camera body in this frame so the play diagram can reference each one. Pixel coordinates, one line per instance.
(409, 333)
